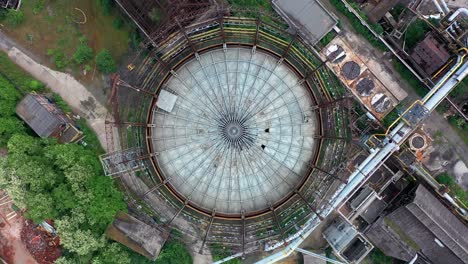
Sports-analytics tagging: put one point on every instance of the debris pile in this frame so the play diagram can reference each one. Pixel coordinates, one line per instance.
(43, 246)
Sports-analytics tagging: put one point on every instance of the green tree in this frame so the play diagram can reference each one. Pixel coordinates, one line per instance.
(83, 54)
(9, 97)
(14, 18)
(105, 62)
(174, 252)
(106, 6)
(103, 195)
(77, 239)
(113, 253)
(65, 198)
(40, 207)
(8, 127)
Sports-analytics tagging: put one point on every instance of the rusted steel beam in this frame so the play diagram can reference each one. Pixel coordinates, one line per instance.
(275, 218)
(207, 232)
(311, 208)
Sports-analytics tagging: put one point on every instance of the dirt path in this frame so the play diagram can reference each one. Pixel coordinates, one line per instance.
(12, 249)
(72, 91)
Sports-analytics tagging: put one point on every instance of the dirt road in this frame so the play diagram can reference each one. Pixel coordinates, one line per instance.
(72, 91)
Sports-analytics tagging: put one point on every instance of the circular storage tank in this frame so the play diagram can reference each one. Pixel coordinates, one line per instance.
(235, 149)
(380, 102)
(417, 142)
(365, 87)
(336, 54)
(351, 70)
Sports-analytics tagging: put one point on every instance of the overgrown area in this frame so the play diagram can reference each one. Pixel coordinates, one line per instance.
(454, 189)
(415, 33)
(260, 4)
(70, 33)
(356, 24)
(63, 182)
(378, 257)
(220, 252)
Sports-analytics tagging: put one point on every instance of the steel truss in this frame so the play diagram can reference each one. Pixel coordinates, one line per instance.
(134, 93)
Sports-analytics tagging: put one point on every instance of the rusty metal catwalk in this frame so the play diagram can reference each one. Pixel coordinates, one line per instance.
(150, 188)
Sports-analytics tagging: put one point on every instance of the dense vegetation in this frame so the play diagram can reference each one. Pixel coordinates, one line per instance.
(220, 252)
(104, 62)
(65, 31)
(415, 33)
(63, 182)
(51, 180)
(454, 189)
(360, 28)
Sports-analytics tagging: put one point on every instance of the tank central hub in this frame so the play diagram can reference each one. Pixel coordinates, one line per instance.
(234, 130)
(235, 133)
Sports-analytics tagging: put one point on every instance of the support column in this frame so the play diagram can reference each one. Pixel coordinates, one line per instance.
(278, 225)
(311, 208)
(328, 173)
(178, 212)
(207, 231)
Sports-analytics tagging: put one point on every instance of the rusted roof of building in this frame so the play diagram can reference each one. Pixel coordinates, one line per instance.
(44, 117)
(424, 225)
(430, 54)
(137, 235)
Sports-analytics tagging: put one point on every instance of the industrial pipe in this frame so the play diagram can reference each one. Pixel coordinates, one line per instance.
(459, 11)
(437, 5)
(444, 5)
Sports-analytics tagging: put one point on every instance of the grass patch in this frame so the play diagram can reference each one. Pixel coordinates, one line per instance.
(391, 117)
(52, 27)
(416, 32)
(454, 189)
(220, 252)
(409, 77)
(378, 257)
(403, 236)
(21, 79)
(260, 4)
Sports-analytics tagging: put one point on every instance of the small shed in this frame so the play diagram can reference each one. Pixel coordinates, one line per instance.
(137, 235)
(47, 120)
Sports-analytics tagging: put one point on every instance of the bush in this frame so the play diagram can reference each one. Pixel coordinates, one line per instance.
(35, 85)
(14, 18)
(105, 62)
(17, 76)
(83, 54)
(118, 23)
(415, 33)
(58, 58)
(174, 252)
(3, 14)
(106, 6)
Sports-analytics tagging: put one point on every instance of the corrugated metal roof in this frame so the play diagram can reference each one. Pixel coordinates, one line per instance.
(309, 16)
(41, 115)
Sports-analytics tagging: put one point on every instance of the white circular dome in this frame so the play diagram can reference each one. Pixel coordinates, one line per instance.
(240, 136)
